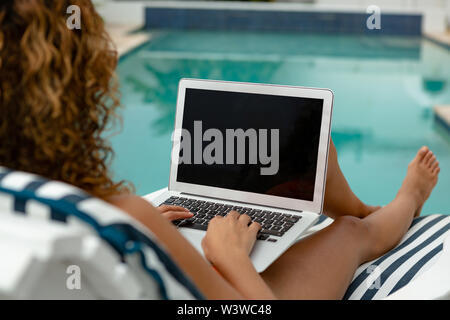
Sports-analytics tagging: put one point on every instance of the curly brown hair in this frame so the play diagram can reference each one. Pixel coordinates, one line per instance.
(58, 93)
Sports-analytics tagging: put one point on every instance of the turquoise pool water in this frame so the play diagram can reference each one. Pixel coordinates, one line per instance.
(385, 88)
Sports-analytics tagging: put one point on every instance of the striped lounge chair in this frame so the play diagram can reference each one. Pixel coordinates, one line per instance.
(59, 242)
(416, 255)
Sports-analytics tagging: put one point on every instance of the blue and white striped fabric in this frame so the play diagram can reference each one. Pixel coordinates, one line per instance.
(35, 197)
(416, 253)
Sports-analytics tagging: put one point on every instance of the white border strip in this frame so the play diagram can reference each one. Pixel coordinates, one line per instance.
(269, 6)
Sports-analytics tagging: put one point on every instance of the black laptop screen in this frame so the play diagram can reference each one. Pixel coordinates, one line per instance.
(257, 143)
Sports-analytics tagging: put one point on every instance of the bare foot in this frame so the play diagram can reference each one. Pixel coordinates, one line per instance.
(421, 178)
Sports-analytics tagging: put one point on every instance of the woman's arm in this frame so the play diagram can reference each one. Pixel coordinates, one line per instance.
(227, 244)
(242, 280)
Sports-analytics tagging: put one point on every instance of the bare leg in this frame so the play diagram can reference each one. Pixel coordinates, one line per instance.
(322, 265)
(339, 197)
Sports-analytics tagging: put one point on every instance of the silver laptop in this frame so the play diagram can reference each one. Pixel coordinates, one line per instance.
(255, 148)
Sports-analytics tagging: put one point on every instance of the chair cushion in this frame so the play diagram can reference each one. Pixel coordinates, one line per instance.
(36, 197)
(416, 253)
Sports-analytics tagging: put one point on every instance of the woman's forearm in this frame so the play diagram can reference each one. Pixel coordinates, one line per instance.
(242, 275)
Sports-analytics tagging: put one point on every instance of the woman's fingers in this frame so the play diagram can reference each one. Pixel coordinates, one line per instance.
(176, 215)
(174, 212)
(216, 218)
(166, 208)
(254, 228)
(233, 215)
(244, 219)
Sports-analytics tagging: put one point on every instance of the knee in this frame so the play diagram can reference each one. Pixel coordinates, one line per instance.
(362, 234)
(332, 154)
(354, 226)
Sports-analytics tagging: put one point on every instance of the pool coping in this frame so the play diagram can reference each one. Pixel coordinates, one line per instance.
(128, 38)
(442, 115)
(441, 39)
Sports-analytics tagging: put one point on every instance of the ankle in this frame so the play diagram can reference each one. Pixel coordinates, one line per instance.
(410, 197)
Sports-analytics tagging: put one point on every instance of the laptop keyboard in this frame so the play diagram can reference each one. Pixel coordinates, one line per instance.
(274, 224)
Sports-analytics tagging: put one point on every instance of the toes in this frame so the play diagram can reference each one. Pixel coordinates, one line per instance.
(434, 166)
(427, 157)
(436, 170)
(432, 161)
(422, 152)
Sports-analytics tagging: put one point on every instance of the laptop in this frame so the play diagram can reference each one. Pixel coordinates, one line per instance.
(257, 149)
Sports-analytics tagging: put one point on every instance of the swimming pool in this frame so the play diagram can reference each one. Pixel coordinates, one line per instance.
(385, 88)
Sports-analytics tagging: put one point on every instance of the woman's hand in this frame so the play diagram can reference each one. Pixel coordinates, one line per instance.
(174, 212)
(229, 239)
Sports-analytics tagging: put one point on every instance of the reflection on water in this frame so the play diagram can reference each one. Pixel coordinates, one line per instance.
(354, 140)
(384, 88)
(164, 91)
